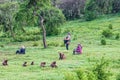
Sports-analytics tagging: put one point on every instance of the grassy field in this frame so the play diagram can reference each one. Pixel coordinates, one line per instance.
(89, 34)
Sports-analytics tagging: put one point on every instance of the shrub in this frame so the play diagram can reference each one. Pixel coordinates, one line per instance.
(103, 41)
(118, 77)
(81, 74)
(53, 44)
(110, 26)
(91, 75)
(27, 38)
(100, 70)
(90, 15)
(1, 45)
(117, 36)
(68, 30)
(70, 76)
(107, 33)
(35, 44)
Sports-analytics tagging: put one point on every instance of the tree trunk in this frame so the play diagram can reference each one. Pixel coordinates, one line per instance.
(44, 31)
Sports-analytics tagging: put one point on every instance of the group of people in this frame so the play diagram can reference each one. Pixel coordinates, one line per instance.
(77, 50)
(67, 39)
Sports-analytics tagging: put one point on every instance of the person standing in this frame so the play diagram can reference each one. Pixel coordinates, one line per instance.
(67, 42)
(69, 35)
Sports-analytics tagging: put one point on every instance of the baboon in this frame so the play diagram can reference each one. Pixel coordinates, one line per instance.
(43, 64)
(24, 64)
(32, 63)
(53, 64)
(5, 63)
(61, 56)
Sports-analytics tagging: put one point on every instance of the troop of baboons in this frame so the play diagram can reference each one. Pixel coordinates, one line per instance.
(42, 64)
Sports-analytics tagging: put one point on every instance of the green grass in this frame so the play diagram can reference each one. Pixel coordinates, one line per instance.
(86, 33)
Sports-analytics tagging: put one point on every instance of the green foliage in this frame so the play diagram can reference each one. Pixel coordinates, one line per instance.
(110, 26)
(118, 77)
(95, 8)
(81, 74)
(2, 45)
(35, 44)
(54, 43)
(90, 15)
(90, 10)
(29, 15)
(103, 41)
(53, 19)
(107, 33)
(117, 36)
(91, 75)
(85, 74)
(75, 37)
(100, 70)
(70, 76)
(86, 31)
(68, 30)
(22, 38)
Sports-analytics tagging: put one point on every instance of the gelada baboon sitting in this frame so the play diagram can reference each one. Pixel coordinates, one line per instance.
(61, 56)
(24, 64)
(32, 63)
(53, 64)
(42, 64)
(4, 63)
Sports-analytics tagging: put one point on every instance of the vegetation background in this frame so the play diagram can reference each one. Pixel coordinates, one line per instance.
(93, 23)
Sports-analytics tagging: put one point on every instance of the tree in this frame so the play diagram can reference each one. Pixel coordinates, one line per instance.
(47, 16)
(7, 11)
(116, 6)
(72, 9)
(94, 8)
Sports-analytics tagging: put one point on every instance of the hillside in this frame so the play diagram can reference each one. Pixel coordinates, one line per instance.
(89, 34)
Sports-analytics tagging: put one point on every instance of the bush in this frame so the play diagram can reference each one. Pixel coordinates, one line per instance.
(90, 15)
(1, 45)
(27, 38)
(70, 76)
(35, 44)
(53, 44)
(68, 30)
(107, 33)
(100, 70)
(85, 74)
(118, 77)
(91, 75)
(110, 26)
(53, 31)
(81, 74)
(103, 41)
(117, 36)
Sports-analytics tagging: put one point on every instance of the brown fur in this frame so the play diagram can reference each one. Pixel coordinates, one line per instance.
(53, 64)
(5, 63)
(61, 56)
(24, 64)
(32, 63)
(43, 64)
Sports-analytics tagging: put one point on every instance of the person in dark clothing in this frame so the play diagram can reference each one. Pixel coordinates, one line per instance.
(67, 42)
(21, 50)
